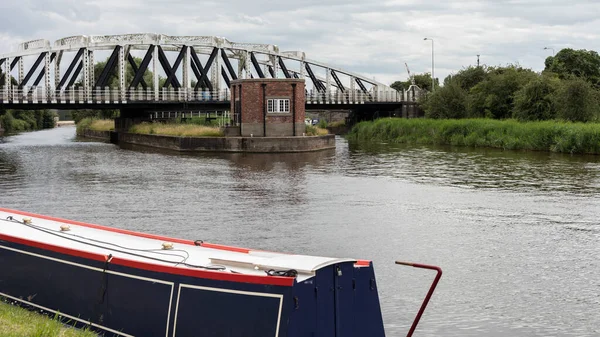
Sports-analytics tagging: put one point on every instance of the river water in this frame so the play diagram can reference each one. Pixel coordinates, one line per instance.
(517, 234)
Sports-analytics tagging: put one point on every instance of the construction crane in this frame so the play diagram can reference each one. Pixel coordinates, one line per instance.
(413, 90)
(412, 79)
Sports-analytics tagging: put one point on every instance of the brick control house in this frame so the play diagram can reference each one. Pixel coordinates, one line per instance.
(268, 107)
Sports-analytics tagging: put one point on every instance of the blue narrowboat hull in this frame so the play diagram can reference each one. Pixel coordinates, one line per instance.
(122, 298)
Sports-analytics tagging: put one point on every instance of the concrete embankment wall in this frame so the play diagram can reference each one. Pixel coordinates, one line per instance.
(231, 144)
(103, 135)
(219, 144)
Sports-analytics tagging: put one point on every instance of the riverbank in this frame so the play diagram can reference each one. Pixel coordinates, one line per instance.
(552, 136)
(16, 321)
(199, 138)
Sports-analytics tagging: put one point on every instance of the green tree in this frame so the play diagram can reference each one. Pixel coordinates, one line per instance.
(446, 102)
(578, 63)
(469, 77)
(423, 81)
(576, 101)
(494, 96)
(7, 121)
(535, 101)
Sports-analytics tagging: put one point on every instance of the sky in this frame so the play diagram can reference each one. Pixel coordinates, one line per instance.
(374, 39)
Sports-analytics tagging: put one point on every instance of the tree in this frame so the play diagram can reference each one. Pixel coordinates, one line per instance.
(446, 102)
(535, 101)
(494, 96)
(576, 101)
(469, 77)
(570, 63)
(423, 81)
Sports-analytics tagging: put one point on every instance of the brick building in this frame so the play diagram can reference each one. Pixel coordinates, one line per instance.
(269, 107)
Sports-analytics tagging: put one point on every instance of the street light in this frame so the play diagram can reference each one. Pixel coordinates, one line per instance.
(432, 64)
(546, 48)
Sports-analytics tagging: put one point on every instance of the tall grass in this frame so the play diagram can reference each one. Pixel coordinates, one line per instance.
(180, 130)
(18, 322)
(554, 136)
(95, 125)
(315, 131)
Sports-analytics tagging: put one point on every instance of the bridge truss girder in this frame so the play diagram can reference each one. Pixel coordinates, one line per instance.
(271, 63)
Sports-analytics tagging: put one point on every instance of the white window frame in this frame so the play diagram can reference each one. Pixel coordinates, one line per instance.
(278, 105)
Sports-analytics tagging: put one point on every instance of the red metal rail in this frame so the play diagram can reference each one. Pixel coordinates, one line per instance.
(428, 297)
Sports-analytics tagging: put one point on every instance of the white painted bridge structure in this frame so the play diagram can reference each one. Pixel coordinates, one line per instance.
(155, 68)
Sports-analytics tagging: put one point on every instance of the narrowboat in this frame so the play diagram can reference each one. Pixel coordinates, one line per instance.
(125, 283)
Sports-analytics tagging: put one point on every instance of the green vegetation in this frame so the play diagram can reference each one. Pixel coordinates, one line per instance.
(26, 120)
(95, 125)
(180, 130)
(336, 124)
(423, 81)
(568, 89)
(312, 130)
(563, 137)
(18, 322)
(506, 107)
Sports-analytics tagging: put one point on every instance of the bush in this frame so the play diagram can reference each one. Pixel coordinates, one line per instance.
(535, 100)
(7, 122)
(576, 101)
(446, 102)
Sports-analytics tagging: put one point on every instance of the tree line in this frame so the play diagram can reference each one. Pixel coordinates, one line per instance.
(567, 89)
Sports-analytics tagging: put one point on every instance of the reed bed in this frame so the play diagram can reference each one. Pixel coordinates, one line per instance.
(18, 322)
(316, 131)
(95, 125)
(179, 130)
(554, 136)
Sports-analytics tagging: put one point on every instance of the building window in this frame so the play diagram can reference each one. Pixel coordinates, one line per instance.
(278, 105)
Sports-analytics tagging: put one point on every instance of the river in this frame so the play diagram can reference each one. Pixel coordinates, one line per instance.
(517, 234)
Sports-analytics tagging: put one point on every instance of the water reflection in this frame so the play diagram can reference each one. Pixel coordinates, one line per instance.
(537, 172)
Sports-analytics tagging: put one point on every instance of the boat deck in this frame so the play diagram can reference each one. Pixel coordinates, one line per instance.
(151, 250)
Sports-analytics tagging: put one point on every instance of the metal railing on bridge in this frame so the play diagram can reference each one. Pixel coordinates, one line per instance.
(99, 96)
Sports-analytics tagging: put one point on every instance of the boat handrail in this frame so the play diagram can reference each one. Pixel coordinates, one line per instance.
(429, 293)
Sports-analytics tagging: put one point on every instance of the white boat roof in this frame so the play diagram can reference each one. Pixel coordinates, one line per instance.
(105, 242)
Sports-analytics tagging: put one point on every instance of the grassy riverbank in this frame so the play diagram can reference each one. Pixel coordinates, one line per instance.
(18, 322)
(554, 136)
(172, 129)
(179, 130)
(95, 125)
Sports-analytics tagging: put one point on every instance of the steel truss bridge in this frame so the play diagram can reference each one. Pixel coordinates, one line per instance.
(160, 71)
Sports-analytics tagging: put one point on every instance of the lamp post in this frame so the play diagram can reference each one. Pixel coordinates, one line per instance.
(432, 64)
(546, 48)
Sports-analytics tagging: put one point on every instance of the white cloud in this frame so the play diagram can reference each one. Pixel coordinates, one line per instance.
(373, 38)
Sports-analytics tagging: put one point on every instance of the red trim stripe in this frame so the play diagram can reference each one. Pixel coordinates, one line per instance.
(363, 263)
(206, 274)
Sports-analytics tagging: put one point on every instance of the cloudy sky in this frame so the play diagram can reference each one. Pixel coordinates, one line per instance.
(372, 38)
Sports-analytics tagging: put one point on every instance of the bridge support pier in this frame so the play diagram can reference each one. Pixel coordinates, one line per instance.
(129, 118)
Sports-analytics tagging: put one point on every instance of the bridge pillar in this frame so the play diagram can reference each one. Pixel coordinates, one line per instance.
(352, 96)
(247, 64)
(122, 74)
(86, 74)
(91, 74)
(155, 71)
(328, 85)
(187, 82)
(21, 70)
(215, 73)
(7, 82)
(57, 69)
(47, 81)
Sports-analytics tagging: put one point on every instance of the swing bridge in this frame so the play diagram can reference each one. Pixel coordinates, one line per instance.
(161, 72)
